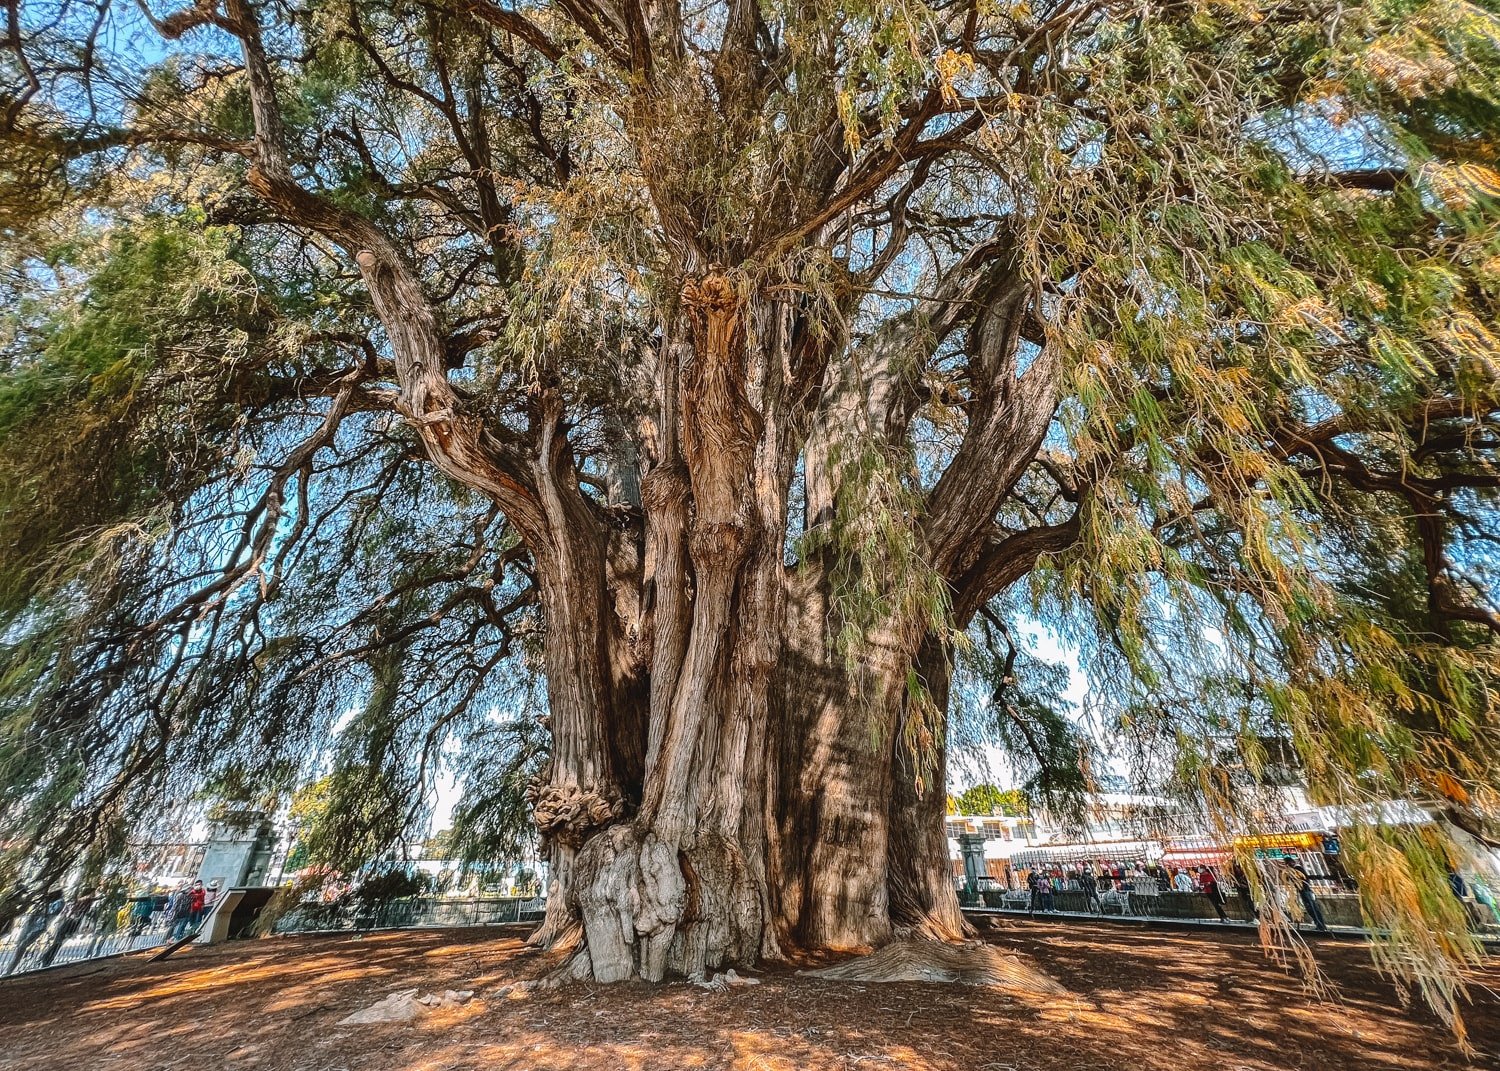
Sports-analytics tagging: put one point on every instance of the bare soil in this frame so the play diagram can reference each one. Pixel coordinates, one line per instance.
(1140, 1000)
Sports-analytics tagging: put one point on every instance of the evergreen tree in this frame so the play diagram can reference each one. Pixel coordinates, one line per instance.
(747, 374)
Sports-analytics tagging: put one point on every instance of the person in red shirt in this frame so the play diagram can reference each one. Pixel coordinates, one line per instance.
(1210, 888)
(195, 905)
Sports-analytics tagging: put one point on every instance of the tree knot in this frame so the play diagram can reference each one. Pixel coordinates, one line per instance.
(570, 813)
(716, 317)
(711, 294)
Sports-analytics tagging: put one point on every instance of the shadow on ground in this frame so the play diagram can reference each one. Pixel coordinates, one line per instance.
(1141, 1001)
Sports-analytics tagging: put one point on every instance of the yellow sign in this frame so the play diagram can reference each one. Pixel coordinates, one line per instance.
(1309, 842)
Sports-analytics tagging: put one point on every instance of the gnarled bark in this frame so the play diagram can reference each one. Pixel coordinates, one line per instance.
(774, 760)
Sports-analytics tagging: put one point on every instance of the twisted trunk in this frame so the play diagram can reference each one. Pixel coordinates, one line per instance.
(780, 809)
(775, 799)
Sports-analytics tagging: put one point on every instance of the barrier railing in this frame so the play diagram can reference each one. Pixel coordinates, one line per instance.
(33, 945)
(23, 950)
(1340, 910)
(412, 912)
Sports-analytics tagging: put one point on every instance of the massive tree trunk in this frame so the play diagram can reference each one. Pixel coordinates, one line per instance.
(796, 814)
(789, 793)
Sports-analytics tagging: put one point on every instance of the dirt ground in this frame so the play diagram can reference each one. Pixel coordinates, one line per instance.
(1143, 1000)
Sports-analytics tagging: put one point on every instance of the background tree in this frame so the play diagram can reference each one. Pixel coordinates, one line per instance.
(439, 845)
(305, 812)
(989, 799)
(731, 369)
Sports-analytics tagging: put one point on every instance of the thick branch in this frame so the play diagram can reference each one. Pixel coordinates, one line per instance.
(456, 441)
(1001, 562)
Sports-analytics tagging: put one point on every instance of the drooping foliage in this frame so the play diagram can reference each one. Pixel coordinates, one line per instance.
(1168, 329)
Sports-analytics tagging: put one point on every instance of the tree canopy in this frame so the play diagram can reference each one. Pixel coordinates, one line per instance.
(518, 386)
(989, 799)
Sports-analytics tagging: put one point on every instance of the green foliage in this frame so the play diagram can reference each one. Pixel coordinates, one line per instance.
(880, 577)
(492, 821)
(988, 799)
(96, 425)
(1013, 699)
(305, 813)
(882, 593)
(360, 810)
(398, 883)
(439, 845)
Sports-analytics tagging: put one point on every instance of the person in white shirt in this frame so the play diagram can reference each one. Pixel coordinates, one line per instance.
(1182, 883)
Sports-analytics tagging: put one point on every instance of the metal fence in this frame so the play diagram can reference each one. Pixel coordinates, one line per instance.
(1340, 910)
(36, 942)
(412, 912)
(26, 948)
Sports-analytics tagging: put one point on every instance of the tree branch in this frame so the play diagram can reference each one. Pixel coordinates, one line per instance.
(456, 441)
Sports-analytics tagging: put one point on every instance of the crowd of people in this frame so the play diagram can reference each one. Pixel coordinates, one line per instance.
(1143, 879)
(1284, 876)
(178, 912)
(99, 917)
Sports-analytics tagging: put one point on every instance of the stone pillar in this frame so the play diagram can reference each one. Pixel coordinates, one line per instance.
(971, 847)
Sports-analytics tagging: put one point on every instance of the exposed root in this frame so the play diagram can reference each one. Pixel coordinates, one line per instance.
(562, 959)
(650, 909)
(576, 968)
(970, 963)
(560, 940)
(931, 928)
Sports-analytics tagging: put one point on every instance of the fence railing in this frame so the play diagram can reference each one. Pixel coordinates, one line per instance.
(26, 948)
(411, 912)
(1339, 910)
(34, 944)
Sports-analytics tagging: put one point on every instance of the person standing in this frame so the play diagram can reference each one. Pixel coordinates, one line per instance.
(178, 912)
(141, 909)
(1034, 886)
(1182, 883)
(1242, 888)
(1044, 885)
(1297, 875)
(1090, 887)
(197, 898)
(1209, 886)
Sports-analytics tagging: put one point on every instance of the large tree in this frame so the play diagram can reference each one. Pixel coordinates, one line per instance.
(757, 374)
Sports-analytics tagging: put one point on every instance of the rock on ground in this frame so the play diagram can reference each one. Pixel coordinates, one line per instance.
(404, 1006)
